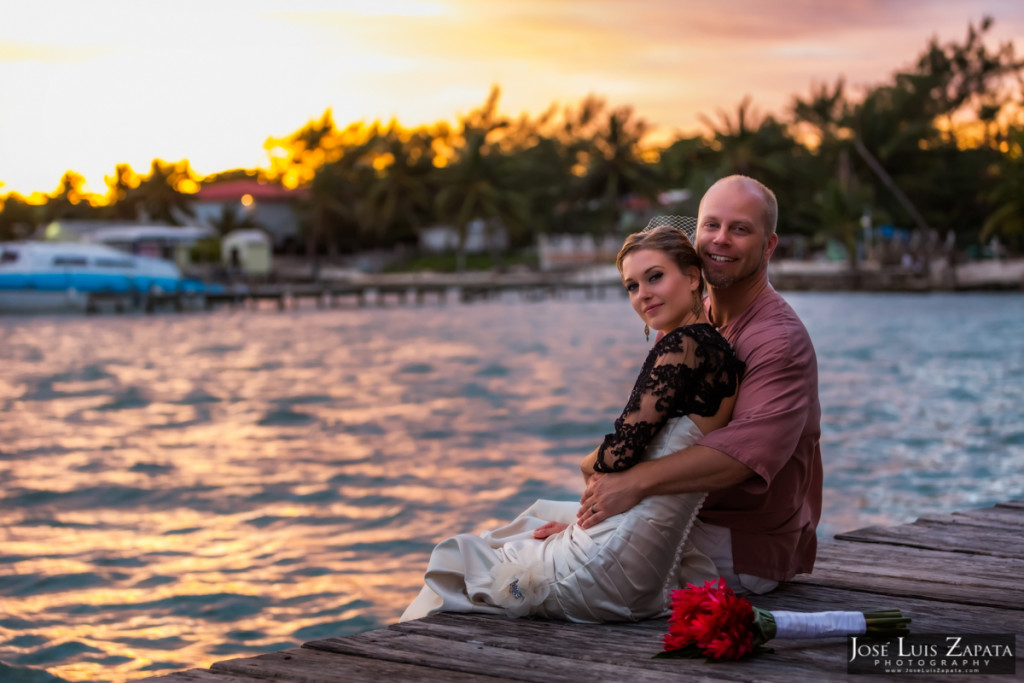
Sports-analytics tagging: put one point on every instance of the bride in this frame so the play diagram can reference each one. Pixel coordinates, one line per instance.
(544, 564)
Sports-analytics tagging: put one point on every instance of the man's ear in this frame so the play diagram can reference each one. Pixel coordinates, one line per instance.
(770, 244)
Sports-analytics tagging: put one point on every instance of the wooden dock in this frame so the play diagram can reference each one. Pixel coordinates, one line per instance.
(959, 573)
(335, 295)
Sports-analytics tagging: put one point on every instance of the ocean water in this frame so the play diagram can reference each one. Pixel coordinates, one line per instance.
(181, 489)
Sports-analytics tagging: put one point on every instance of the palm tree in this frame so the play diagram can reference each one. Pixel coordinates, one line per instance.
(474, 184)
(614, 164)
(883, 120)
(18, 217)
(333, 165)
(472, 188)
(334, 197)
(159, 195)
(119, 192)
(839, 207)
(71, 200)
(399, 198)
(295, 158)
(1007, 195)
(751, 144)
(231, 219)
(538, 167)
(904, 132)
(688, 162)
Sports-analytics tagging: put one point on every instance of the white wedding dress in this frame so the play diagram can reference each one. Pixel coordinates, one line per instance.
(622, 569)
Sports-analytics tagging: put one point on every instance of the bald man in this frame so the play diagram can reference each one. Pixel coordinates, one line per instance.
(763, 470)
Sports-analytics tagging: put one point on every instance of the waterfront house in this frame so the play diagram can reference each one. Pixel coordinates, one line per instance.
(264, 205)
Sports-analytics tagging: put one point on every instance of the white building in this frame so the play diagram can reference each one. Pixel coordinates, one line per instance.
(247, 251)
(481, 236)
(156, 240)
(269, 206)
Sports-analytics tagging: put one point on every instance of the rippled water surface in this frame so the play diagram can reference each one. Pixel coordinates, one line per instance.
(180, 489)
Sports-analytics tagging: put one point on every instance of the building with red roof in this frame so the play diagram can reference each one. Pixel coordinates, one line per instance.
(268, 206)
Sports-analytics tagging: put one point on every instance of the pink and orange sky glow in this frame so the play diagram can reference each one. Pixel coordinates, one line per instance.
(89, 84)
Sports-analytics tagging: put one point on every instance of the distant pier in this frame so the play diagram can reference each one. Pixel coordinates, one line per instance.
(406, 289)
(335, 295)
(384, 290)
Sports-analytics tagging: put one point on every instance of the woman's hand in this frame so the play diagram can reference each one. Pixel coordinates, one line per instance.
(549, 529)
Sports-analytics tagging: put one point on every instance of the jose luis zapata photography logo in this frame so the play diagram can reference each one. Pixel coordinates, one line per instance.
(929, 653)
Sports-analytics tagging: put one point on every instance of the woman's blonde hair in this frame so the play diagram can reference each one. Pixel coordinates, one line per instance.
(667, 240)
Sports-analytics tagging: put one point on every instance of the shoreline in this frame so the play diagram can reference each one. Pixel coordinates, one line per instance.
(293, 281)
(785, 275)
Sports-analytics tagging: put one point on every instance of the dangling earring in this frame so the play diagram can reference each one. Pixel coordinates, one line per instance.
(647, 333)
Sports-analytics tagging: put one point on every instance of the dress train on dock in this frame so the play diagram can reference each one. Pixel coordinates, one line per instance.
(622, 569)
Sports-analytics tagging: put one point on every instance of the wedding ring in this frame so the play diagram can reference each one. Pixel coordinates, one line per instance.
(592, 510)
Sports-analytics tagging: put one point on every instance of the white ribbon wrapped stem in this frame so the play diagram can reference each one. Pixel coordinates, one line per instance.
(819, 624)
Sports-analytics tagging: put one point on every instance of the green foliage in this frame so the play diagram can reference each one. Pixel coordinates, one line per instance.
(232, 218)
(1006, 195)
(894, 151)
(206, 251)
(901, 136)
(18, 218)
(159, 196)
(397, 202)
(472, 185)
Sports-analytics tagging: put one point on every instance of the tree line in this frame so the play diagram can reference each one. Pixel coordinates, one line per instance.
(938, 149)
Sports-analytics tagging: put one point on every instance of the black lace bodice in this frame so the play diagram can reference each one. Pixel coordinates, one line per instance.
(691, 370)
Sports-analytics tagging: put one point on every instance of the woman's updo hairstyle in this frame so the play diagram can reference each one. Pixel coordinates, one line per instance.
(667, 239)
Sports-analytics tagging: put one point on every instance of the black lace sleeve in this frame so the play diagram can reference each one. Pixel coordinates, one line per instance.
(691, 370)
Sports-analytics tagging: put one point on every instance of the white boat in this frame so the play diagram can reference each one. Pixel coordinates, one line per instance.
(74, 276)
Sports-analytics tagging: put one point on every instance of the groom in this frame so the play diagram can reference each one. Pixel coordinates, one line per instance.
(762, 470)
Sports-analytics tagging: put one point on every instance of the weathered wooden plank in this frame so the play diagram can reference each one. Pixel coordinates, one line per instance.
(955, 573)
(634, 643)
(473, 656)
(994, 514)
(202, 676)
(982, 519)
(1008, 516)
(601, 642)
(791, 653)
(303, 665)
(915, 572)
(928, 616)
(616, 643)
(940, 565)
(618, 640)
(975, 540)
(489, 646)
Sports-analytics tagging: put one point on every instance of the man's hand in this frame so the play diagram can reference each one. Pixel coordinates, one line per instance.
(607, 494)
(549, 529)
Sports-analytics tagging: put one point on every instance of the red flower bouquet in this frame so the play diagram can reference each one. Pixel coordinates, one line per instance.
(715, 623)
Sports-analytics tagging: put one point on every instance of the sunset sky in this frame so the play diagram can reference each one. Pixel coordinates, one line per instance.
(87, 84)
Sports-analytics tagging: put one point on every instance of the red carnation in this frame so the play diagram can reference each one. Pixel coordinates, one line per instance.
(714, 623)
(712, 618)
